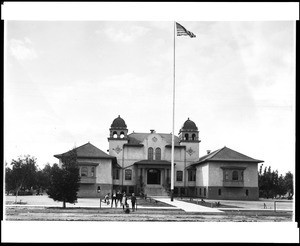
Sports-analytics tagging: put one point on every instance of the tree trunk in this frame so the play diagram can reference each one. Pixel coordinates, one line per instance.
(64, 204)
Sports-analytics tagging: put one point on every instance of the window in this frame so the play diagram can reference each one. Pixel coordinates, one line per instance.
(191, 175)
(186, 136)
(122, 135)
(179, 175)
(247, 192)
(116, 173)
(150, 154)
(235, 175)
(242, 175)
(204, 192)
(226, 175)
(219, 192)
(92, 171)
(158, 154)
(194, 136)
(84, 172)
(199, 191)
(115, 135)
(128, 174)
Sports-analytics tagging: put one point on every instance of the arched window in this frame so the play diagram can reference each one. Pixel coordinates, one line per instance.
(84, 172)
(158, 154)
(150, 153)
(194, 136)
(115, 134)
(122, 135)
(186, 136)
(235, 175)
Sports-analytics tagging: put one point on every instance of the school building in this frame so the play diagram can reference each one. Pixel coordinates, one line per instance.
(141, 163)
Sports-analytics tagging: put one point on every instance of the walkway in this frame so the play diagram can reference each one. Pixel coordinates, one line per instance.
(187, 206)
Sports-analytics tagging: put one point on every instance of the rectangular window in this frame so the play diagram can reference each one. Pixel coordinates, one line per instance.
(204, 192)
(179, 175)
(128, 174)
(116, 173)
(192, 175)
(220, 192)
(92, 171)
(199, 191)
(247, 192)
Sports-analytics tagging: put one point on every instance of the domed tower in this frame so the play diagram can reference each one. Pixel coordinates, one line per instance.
(117, 137)
(189, 137)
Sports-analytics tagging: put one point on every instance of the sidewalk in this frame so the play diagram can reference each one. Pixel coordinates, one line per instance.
(186, 206)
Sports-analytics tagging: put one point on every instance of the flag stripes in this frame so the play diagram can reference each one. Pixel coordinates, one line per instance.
(181, 31)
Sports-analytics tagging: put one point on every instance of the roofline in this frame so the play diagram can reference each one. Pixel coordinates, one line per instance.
(227, 160)
(88, 157)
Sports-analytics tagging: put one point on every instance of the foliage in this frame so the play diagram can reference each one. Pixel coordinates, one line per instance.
(22, 175)
(64, 181)
(271, 184)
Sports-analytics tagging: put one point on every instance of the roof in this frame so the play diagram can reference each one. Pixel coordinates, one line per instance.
(138, 138)
(189, 125)
(227, 155)
(88, 151)
(118, 123)
(145, 162)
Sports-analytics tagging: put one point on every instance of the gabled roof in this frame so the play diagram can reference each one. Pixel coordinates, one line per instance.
(225, 155)
(88, 151)
(137, 138)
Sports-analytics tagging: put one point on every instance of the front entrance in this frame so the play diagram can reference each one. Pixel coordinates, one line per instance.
(153, 176)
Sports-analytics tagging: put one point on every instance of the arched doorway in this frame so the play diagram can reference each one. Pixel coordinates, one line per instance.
(153, 176)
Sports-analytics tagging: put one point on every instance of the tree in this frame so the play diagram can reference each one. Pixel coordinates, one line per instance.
(43, 177)
(64, 181)
(289, 184)
(271, 184)
(22, 175)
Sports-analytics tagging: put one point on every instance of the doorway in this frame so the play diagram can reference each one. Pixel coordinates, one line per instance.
(153, 176)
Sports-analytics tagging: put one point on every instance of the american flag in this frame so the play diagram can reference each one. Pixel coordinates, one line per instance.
(181, 31)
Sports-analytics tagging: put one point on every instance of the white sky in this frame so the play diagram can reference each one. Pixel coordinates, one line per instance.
(66, 81)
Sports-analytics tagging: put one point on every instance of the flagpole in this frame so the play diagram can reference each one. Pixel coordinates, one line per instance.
(172, 154)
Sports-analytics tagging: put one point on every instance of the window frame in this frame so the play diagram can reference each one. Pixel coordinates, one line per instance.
(86, 172)
(128, 173)
(191, 175)
(150, 153)
(178, 176)
(158, 154)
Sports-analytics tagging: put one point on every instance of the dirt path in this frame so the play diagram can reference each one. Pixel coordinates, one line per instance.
(74, 214)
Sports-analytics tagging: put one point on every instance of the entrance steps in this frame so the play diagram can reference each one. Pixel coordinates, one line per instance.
(155, 191)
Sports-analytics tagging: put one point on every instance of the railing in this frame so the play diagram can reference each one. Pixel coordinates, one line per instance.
(88, 180)
(233, 183)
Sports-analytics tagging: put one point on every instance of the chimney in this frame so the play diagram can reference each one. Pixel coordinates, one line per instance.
(208, 151)
(152, 131)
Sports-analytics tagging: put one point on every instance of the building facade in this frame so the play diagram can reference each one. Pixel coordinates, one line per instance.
(141, 163)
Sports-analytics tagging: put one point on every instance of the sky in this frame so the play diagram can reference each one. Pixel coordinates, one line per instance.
(66, 81)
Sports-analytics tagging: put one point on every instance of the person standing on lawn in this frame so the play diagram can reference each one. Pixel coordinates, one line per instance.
(133, 201)
(114, 199)
(119, 197)
(124, 201)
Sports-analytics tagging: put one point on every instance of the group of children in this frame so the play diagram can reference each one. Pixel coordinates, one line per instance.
(122, 199)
